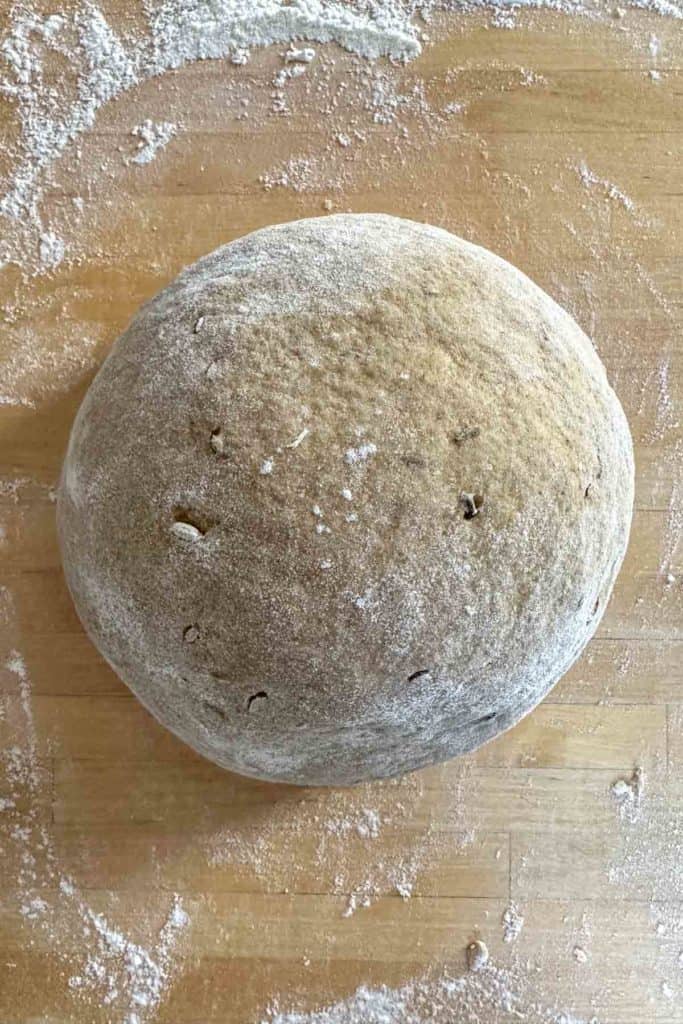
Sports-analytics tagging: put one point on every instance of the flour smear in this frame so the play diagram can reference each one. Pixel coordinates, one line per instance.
(59, 69)
(489, 995)
(104, 964)
(340, 837)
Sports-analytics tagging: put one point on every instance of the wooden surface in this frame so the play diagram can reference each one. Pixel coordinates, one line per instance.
(133, 815)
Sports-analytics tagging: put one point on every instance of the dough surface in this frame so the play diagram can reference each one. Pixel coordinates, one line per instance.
(345, 499)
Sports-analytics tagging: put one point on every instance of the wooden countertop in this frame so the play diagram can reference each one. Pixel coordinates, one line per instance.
(566, 159)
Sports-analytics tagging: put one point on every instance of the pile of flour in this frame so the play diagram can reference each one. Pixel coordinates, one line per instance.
(59, 70)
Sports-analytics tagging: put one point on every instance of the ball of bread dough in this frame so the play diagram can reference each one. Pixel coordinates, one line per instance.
(345, 499)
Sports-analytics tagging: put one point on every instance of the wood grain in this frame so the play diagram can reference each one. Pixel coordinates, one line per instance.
(134, 816)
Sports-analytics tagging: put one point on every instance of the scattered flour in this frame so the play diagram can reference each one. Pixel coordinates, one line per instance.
(151, 138)
(512, 922)
(117, 967)
(51, 250)
(360, 454)
(103, 62)
(646, 861)
(17, 666)
(367, 825)
(302, 174)
(657, 385)
(590, 180)
(673, 536)
(334, 836)
(628, 795)
(110, 968)
(42, 363)
(487, 994)
(303, 56)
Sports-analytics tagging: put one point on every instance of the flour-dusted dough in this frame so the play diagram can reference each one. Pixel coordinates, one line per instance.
(347, 498)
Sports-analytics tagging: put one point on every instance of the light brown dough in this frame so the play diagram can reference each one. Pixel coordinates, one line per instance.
(346, 499)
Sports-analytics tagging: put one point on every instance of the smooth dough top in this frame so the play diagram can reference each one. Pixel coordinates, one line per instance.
(345, 499)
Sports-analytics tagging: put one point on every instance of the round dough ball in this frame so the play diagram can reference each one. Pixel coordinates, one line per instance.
(345, 499)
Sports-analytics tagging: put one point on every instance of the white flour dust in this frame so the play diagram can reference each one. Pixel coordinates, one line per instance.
(490, 994)
(341, 838)
(657, 389)
(106, 965)
(513, 922)
(47, 360)
(102, 63)
(590, 180)
(628, 795)
(59, 70)
(116, 969)
(151, 138)
(647, 858)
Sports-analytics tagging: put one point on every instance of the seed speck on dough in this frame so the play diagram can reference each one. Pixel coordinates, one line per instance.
(186, 531)
(298, 439)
